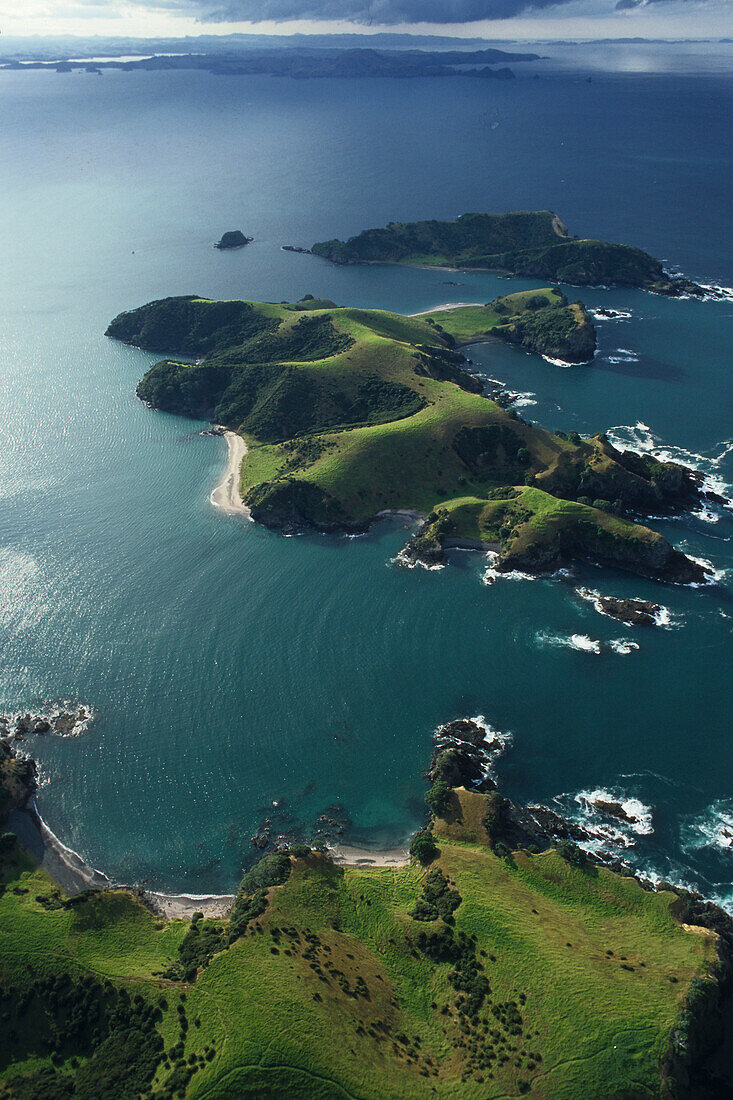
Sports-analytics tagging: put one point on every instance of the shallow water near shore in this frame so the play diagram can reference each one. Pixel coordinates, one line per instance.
(237, 675)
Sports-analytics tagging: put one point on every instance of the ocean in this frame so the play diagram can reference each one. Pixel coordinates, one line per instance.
(236, 675)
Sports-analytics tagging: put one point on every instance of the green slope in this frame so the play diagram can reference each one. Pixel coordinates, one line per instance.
(550, 979)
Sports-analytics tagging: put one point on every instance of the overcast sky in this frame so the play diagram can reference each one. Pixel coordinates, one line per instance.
(470, 18)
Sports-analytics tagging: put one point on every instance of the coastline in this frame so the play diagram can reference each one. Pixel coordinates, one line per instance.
(226, 496)
(69, 870)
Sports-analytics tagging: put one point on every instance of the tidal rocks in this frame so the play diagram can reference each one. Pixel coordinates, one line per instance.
(62, 722)
(234, 238)
(333, 822)
(262, 837)
(612, 809)
(631, 611)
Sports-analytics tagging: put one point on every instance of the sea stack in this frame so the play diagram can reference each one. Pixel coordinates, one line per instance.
(235, 238)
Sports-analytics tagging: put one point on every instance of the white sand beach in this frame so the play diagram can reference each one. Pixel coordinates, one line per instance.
(346, 856)
(226, 496)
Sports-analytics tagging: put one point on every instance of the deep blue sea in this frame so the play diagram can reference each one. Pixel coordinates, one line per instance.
(231, 669)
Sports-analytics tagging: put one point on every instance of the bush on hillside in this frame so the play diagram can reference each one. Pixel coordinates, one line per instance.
(423, 848)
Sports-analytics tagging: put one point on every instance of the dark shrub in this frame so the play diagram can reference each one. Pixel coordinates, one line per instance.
(423, 847)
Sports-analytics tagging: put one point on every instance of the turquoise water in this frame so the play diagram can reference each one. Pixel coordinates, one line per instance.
(231, 668)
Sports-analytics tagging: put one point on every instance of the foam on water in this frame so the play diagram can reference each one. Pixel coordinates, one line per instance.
(623, 355)
(615, 315)
(582, 642)
(711, 829)
(624, 646)
(491, 574)
(606, 828)
(406, 562)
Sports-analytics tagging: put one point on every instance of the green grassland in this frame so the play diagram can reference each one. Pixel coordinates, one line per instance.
(348, 413)
(532, 244)
(548, 979)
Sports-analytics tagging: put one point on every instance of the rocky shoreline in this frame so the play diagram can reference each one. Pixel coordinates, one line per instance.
(65, 721)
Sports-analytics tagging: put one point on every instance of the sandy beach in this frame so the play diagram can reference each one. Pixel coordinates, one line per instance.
(183, 906)
(346, 856)
(226, 496)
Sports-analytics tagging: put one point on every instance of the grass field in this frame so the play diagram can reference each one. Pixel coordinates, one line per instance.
(568, 982)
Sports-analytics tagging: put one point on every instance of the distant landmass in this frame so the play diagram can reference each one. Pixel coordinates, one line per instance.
(304, 63)
(531, 244)
(350, 413)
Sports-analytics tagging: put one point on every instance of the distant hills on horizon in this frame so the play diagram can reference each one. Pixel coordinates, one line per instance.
(66, 47)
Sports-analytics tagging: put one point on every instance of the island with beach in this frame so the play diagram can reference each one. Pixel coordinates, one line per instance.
(339, 415)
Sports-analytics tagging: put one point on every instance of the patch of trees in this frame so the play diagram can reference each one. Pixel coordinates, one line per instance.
(65, 1018)
(438, 899)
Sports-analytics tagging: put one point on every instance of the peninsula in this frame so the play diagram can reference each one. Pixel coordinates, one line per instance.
(472, 969)
(531, 244)
(350, 413)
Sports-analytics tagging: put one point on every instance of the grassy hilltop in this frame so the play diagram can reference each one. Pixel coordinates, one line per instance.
(486, 974)
(350, 412)
(533, 244)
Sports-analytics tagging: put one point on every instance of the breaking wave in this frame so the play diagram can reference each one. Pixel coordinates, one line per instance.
(609, 816)
(582, 642)
(601, 314)
(624, 646)
(711, 829)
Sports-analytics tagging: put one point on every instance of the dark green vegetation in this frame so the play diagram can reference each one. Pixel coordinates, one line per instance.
(349, 412)
(531, 244)
(485, 975)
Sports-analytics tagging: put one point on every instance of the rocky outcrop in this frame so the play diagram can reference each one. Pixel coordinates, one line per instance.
(291, 505)
(633, 612)
(651, 557)
(567, 335)
(463, 753)
(234, 238)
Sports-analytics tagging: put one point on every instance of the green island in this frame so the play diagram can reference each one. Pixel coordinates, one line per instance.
(488, 965)
(531, 244)
(351, 413)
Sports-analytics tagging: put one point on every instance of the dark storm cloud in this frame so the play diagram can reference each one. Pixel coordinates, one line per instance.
(370, 11)
(377, 11)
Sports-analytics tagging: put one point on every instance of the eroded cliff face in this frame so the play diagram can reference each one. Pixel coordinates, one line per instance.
(18, 780)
